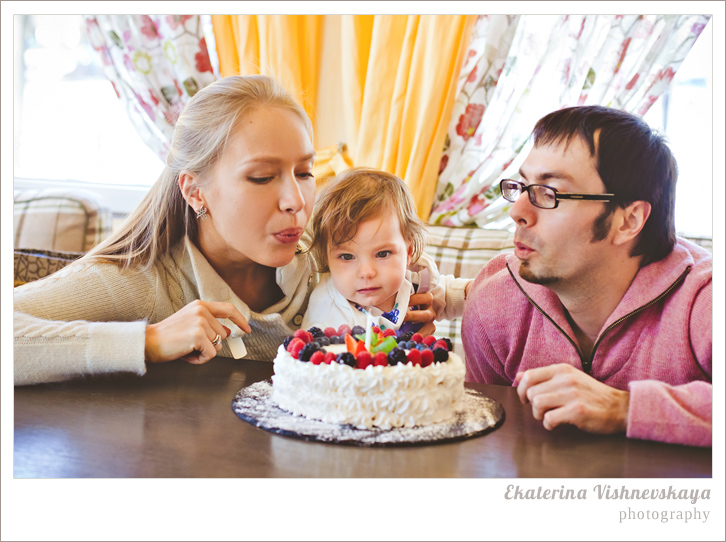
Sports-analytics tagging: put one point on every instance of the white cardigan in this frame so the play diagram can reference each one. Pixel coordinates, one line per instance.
(328, 307)
(91, 318)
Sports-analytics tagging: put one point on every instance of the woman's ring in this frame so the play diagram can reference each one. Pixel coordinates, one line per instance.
(216, 340)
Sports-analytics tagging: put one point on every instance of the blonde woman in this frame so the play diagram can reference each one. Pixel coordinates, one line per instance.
(213, 261)
(216, 238)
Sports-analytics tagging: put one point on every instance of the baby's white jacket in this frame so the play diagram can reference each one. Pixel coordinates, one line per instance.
(328, 307)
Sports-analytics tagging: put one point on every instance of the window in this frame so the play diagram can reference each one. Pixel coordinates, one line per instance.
(72, 127)
(685, 115)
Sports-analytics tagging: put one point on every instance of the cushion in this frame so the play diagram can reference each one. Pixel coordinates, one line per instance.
(69, 220)
(462, 252)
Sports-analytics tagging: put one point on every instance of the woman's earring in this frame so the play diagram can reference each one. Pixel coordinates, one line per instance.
(202, 213)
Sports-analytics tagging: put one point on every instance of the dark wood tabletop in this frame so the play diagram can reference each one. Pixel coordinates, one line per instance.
(177, 421)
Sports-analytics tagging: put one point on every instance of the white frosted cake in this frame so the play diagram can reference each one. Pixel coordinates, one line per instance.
(417, 382)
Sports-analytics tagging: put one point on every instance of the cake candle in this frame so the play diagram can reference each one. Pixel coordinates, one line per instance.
(369, 330)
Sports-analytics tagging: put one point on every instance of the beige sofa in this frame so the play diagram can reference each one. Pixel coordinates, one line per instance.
(54, 227)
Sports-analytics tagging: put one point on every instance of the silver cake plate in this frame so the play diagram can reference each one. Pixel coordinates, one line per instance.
(254, 404)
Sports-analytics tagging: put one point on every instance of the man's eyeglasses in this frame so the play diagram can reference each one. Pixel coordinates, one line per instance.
(543, 196)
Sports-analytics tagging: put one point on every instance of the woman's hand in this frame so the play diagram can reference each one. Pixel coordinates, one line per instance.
(424, 314)
(189, 332)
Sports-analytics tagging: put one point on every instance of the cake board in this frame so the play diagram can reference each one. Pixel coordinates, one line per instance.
(254, 404)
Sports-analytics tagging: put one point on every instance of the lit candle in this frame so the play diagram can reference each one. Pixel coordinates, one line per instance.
(369, 330)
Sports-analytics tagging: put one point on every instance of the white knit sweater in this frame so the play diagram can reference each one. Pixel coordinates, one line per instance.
(91, 318)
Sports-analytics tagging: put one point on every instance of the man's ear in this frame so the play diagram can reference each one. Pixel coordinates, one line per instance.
(190, 192)
(632, 220)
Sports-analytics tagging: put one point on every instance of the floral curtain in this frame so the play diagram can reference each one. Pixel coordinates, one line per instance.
(521, 67)
(155, 64)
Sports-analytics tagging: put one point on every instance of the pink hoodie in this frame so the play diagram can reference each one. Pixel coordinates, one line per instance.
(656, 344)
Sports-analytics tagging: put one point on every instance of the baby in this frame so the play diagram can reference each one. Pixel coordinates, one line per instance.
(368, 242)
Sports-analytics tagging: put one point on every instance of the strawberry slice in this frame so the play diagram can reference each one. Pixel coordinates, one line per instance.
(351, 344)
(360, 347)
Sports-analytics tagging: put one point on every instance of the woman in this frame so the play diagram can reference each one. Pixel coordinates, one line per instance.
(218, 237)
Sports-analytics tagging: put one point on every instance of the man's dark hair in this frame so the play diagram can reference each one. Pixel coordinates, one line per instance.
(634, 163)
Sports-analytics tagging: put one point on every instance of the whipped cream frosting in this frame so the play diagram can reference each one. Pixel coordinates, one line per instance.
(393, 396)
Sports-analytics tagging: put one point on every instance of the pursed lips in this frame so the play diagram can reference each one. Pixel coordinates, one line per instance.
(518, 240)
(521, 250)
(522, 246)
(289, 235)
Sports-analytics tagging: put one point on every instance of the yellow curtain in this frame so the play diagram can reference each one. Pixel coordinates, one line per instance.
(399, 85)
(398, 79)
(287, 47)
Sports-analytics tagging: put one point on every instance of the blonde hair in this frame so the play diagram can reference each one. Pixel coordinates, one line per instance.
(356, 195)
(200, 136)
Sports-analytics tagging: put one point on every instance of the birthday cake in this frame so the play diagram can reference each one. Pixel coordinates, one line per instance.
(377, 379)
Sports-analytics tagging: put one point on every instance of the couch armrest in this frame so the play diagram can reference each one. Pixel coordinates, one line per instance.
(32, 265)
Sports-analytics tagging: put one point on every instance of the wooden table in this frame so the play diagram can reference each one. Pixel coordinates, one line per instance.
(177, 421)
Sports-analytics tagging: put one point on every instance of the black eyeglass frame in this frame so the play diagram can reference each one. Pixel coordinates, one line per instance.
(558, 195)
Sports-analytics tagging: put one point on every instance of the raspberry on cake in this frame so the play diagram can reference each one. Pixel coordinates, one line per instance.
(401, 380)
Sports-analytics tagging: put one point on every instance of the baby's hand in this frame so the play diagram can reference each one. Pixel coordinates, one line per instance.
(422, 311)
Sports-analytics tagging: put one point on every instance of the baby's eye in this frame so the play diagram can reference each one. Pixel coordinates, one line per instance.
(384, 254)
(306, 175)
(346, 257)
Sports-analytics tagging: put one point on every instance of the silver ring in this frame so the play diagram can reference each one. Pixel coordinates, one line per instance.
(216, 340)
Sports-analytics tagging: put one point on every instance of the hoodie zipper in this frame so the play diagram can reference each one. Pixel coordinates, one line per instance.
(587, 365)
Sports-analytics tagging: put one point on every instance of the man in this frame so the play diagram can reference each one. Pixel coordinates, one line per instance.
(601, 316)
